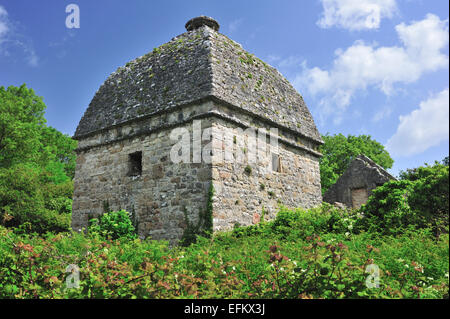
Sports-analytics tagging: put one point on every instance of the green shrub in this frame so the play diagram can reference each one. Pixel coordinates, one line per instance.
(387, 209)
(24, 199)
(322, 219)
(412, 265)
(420, 199)
(430, 195)
(113, 225)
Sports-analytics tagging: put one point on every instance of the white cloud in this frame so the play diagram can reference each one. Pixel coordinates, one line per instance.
(10, 41)
(356, 14)
(4, 28)
(364, 65)
(423, 128)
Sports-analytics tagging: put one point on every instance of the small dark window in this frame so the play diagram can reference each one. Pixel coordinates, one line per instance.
(135, 164)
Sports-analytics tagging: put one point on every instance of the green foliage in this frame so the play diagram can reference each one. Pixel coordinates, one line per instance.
(387, 209)
(338, 151)
(113, 225)
(25, 199)
(268, 260)
(419, 199)
(58, 150)
(37, 164)
(429, 197)
(24, 137)
(22, 116)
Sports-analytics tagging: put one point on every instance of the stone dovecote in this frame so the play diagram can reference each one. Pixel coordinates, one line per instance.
(200, 76)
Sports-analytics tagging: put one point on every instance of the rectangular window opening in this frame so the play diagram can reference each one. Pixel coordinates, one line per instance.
(276, 163)
(135, 164)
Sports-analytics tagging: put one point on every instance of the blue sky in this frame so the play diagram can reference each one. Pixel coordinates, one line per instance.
(376, 67)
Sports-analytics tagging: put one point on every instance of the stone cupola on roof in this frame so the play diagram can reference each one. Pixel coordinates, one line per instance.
(197, 65)
(200, 80)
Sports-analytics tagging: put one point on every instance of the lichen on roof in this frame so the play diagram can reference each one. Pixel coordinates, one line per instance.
(198, 64)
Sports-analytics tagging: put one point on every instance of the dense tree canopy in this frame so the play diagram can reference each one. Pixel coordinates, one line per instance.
(338, 151)
(22, 118)
(37, 164)
(25, 138)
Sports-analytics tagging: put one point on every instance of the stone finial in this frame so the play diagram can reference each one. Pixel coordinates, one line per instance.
(201, 21)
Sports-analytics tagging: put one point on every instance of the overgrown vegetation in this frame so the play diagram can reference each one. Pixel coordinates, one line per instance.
(37, 164)
(317, 253)
(420, 197)
(113, 225)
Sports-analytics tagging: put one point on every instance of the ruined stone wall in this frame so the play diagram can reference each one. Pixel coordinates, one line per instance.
(356, 184)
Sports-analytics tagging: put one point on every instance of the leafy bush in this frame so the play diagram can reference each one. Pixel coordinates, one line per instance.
(113, 225)
(322, 219)
(387, 209)
(430, 195)
(36, 165)
(329, 265)
(25, 199)
(419, 199)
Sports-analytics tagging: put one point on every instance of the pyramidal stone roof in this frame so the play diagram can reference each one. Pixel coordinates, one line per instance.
(195, 66)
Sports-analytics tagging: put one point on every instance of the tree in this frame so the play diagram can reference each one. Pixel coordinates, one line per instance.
(37, 164)
(338, 151)
(25, 138)
(25, 200)
(22, 117)
(57, 152)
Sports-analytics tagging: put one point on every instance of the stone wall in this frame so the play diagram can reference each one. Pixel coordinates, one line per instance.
(356, 184)
(158, 197)
(162, 192)
(243, 189)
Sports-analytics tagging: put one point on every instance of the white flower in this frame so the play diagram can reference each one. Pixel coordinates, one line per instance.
(295, 263)
(347, 234)
(406, 266)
